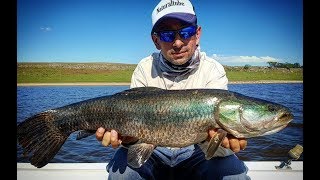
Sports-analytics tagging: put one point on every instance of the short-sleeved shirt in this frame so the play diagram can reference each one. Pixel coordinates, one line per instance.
(209, 74)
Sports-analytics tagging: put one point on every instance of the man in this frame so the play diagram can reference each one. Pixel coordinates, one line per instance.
(178, 65)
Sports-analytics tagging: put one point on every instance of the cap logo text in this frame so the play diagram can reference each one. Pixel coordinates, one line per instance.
(171, 3)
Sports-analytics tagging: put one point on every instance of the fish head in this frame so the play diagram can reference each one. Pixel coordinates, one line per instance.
(246, 117)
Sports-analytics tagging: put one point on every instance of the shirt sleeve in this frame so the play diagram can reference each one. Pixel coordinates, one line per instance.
(221, 83)
(138, 78)
(219, 80)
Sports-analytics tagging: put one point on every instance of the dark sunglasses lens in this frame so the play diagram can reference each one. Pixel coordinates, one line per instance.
(167, 36)
(187, 32)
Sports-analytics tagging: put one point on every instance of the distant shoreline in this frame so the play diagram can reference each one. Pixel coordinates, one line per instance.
(127, 84)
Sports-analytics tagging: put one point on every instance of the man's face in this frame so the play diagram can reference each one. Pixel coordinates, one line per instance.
(180, 50)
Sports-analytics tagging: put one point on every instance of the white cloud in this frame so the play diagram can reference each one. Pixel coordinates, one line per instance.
(45, 29)
(243, 60)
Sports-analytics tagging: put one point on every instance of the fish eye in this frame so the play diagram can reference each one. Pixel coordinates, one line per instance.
(272, 108)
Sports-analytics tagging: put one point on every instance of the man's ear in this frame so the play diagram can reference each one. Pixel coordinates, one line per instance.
(198, 34)
(155, 40)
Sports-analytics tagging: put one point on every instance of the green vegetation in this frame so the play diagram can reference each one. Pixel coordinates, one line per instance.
(263, 73)
(73, 72)
(113, 72)
(284, 65)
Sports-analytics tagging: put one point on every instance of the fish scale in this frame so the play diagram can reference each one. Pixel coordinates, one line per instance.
(168, 119)
(156, 117)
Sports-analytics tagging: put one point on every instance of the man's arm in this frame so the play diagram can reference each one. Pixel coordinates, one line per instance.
(138, 79)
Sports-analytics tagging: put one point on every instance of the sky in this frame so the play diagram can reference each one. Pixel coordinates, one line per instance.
(234, 32)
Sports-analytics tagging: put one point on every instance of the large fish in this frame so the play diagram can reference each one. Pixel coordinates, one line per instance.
(156, 117)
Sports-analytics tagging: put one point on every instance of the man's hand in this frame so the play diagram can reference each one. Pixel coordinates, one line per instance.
(235, 144)
(112, 137)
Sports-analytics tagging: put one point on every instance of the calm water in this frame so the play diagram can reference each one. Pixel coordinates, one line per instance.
(31, 100)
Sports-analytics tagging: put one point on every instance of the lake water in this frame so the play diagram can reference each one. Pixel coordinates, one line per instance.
(275, 147)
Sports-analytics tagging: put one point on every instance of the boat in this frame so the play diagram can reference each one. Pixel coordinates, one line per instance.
(258, 170)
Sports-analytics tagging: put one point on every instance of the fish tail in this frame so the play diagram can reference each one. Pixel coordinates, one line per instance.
(40, 136)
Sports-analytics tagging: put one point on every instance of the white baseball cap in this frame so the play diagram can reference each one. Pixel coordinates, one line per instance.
(177, 9)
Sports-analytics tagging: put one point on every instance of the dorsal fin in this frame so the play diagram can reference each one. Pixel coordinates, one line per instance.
(138, 90)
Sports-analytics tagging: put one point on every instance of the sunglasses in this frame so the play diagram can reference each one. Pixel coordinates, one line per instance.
(170, 36)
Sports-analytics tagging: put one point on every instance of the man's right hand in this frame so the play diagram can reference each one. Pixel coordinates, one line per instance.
(112, 137)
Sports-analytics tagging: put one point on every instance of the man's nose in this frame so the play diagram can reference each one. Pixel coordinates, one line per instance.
(178, 41)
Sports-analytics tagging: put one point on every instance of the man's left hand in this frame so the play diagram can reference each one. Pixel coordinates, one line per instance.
(235, 144)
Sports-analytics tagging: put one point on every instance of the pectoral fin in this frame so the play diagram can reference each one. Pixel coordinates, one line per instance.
(138, 154)
(209, 148)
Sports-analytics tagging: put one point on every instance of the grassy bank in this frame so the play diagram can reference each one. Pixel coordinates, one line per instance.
(116, 73)
(73, 72)
(264, 73)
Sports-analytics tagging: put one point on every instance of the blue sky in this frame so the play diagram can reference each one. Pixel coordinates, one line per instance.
(234, 32)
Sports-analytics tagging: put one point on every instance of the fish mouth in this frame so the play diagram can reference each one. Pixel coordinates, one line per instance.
(279, 122)
(285, 117)
(276, 129)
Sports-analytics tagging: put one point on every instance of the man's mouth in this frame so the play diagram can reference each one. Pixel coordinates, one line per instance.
(178, 53)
